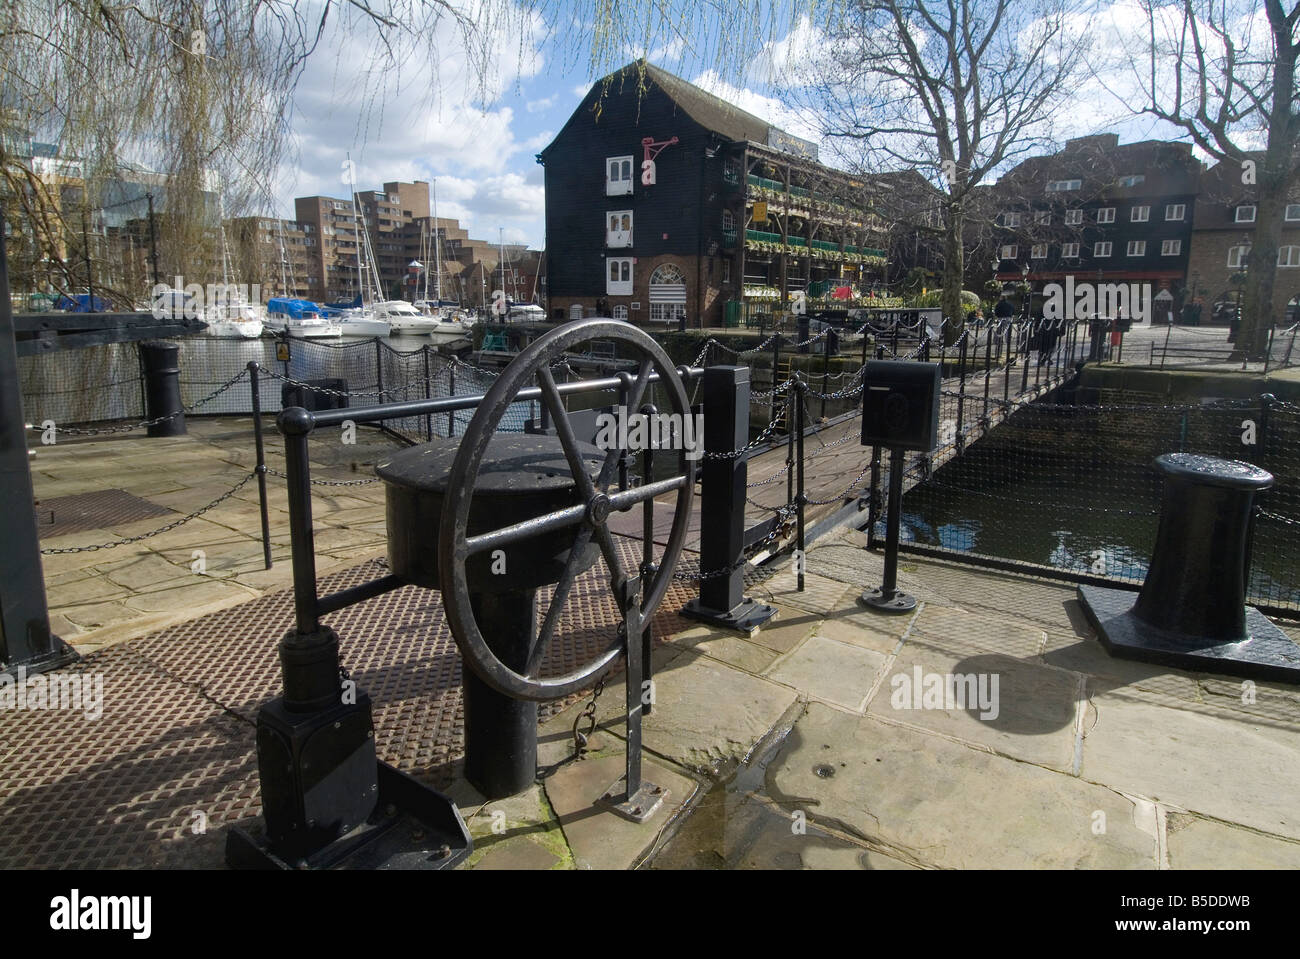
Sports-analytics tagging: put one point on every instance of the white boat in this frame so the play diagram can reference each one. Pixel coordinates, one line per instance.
(236, 317)
(299, 318)
(361, 322)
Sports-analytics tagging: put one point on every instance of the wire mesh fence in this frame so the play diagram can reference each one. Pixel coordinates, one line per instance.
(1073, 488)
(106, 383)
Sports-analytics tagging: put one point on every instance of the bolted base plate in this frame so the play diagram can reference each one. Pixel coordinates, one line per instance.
(412, 827)
(638, 807)
(1266, 653)
(894, 602)
(745, 618)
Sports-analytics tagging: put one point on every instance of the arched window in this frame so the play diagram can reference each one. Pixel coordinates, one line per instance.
(667, 273)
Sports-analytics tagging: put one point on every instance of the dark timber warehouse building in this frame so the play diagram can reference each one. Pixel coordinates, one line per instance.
(667, 204)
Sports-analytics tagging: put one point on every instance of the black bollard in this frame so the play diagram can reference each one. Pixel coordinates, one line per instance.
(162, 377)
(1191, 611)
(500, 732)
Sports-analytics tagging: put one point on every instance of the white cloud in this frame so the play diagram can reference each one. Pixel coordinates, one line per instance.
(540, 106)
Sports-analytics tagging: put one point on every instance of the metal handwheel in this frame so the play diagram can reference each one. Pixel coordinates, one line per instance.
(597, 499)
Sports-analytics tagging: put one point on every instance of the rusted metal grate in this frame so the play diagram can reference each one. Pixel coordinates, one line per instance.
(97, 510)
(174, 749)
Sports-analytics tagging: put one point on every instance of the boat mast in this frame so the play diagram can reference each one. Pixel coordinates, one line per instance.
(356, 225)
(284, 260)
(437, 252)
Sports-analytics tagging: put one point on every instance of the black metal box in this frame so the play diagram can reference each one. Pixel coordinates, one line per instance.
(293, 395)
(900, 405)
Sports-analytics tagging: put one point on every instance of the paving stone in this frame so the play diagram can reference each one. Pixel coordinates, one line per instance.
(1032, 710)
(787, 629)
(1196, 843)
(832, 671)
(862, 569)
(1200, 758)
(204, 592)
(727, 647)
(598, 837)
(747, 832)
(145, 572)
(520, 854)
(1085, 654)
(864, 627)
(948, 805)
(97, 615)
(1002, 594)
(820, 594)
(941, 624)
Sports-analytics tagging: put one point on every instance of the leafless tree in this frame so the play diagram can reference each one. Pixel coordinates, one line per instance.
(954, 89)
(1224, 71)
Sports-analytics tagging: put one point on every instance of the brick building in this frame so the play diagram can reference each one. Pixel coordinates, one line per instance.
(1221, 241)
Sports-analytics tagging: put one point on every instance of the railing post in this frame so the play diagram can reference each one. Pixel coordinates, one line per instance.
(799, 497)
(988, 372)
(961, 392)
(261, 461)
(451, 391)
(379, 371)
(428, 394)
(1024, 359)
(776, 362)
(722, 507)
(873, 498)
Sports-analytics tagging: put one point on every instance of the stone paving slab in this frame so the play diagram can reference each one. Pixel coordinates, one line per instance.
(831, 671)
(1206, 760)
(1196, 843)
(948, 805)
(1030, 714)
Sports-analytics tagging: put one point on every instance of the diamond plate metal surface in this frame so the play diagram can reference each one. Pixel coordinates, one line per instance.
(153, 782)
(61, 515)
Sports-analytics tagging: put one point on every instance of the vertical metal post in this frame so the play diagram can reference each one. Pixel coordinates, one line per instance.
(799, 497)
(1025, 353)
(1268, 350)
(961, 393)
(261, 461)
(1006, 371)
(90, 273)
(647, 560)
(776, 363)
(153, 242)
(722, 508)
(296, 425)
(896, 457)
(826, 372)
(451, 391)
(988, 371)
(25, 638)
(873, 498)
(379, 370)
(428, 394)
(500, 731)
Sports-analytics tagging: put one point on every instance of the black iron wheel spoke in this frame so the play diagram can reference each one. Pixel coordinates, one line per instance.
(564, 430)
(506, 535)
(638, 388)
(558, 598)
(610, 552)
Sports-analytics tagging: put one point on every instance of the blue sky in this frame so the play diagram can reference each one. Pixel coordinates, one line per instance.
(478, 133)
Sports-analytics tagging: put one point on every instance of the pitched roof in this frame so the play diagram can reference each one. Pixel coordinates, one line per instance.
(703, 107)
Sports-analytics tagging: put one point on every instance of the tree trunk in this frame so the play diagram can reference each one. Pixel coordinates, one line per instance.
(953, 270)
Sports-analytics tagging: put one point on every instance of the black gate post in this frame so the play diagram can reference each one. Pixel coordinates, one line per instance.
(722, 506)
(25, 638)
(260, 468)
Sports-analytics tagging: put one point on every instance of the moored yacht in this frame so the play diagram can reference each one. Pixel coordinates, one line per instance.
(298, 317)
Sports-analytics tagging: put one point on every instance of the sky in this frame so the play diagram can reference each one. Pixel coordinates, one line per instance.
(475, 134)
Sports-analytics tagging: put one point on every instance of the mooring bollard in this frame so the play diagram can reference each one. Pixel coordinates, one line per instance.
(1191, 611)
(520, 477)
(722, 600)
(162, 374)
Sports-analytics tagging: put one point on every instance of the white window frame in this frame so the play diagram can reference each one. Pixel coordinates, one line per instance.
(1105, 214)
(1291, 259)
(1073, 217)
(728, 220)
(726, 271)
(1038, 251)
(618, 238)
(1010, 219)
(1010, 251)
(1137, 248)
(1171, 247)
(667, 312)
(1133, 179)
(1063, 186)
(616, 184)
(620, 312)
(623, 285)
(1238, 218)
(575, 312)
(1175, 211)
(1290, 207)
(1144, 217)
(1069, 251)
(1101, 249)
(1235, 255)
(1042, 218)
